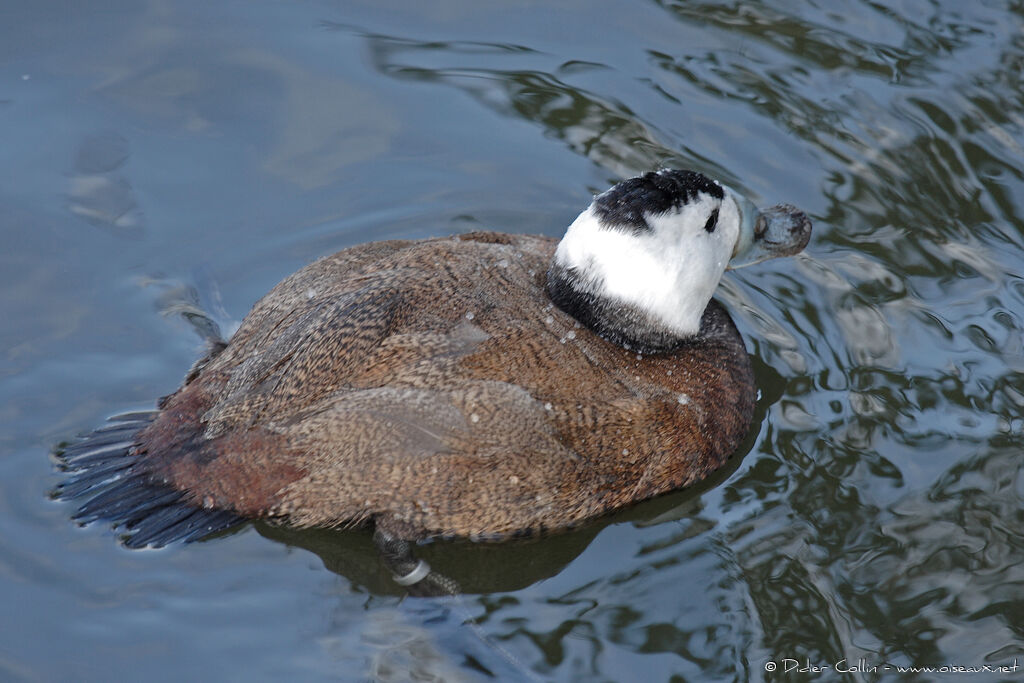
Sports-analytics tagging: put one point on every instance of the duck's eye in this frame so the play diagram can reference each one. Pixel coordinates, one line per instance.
(712, 221)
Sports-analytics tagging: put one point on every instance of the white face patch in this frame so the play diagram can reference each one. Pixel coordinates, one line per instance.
(670, 271)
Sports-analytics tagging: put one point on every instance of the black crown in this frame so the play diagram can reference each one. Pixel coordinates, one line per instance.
(627, 204)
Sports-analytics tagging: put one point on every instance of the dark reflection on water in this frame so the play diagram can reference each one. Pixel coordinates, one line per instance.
(606, 132)
(173, 156)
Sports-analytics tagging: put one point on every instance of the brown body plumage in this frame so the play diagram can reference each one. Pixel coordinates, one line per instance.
(433, 388)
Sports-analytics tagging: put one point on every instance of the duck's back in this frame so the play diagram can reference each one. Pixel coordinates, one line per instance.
(433, 388)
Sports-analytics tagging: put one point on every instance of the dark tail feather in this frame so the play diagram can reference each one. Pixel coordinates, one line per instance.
(101, 468)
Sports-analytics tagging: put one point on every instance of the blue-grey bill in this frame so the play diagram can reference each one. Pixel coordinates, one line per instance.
(781, 230)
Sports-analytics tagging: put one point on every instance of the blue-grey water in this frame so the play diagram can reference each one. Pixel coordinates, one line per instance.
(155, 154)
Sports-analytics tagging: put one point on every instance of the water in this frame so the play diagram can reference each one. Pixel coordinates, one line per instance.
(155, 152)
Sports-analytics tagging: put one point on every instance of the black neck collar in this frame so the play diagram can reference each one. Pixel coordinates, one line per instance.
(616, 321)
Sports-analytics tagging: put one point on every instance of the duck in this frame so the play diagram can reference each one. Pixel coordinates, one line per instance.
(483, 385)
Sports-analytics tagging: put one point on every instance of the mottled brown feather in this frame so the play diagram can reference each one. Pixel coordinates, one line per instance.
(433, 388)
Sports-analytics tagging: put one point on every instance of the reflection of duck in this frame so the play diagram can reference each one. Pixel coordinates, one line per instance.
(475, 567)
(484, 385)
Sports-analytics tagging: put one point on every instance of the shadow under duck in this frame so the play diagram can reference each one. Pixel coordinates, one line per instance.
(484, 385)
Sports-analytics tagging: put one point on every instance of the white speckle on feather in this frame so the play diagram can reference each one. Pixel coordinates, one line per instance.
(684, 399)
(470, 315)
(549, 320)
(548, 406)
(474, 418)
(310, 293)
(625, 451)
(513, 480)
(503, 263)
(570, 335)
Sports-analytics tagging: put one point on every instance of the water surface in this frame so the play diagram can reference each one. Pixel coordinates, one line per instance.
(159, 153)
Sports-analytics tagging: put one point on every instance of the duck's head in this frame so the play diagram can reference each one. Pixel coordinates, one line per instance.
(640, 265)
